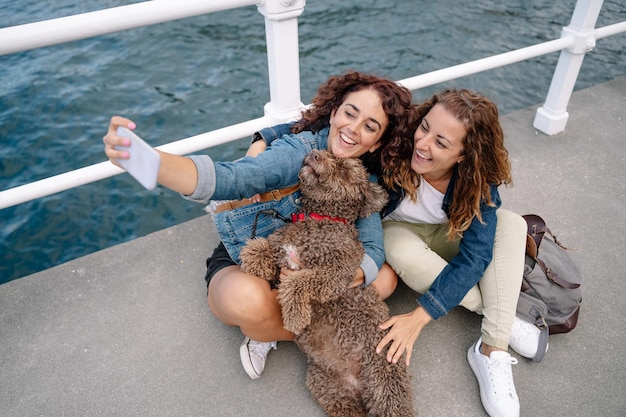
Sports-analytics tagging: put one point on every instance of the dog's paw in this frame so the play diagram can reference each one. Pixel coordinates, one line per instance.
(297, 320)
(296, 310)
(256, 259)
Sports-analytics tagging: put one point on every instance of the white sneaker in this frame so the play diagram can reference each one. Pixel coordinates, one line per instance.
(253, 355)
(525, 338)
(495, 379)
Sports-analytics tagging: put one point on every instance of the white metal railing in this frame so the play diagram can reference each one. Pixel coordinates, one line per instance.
(87, 25)
(552, 117)
(283, 65)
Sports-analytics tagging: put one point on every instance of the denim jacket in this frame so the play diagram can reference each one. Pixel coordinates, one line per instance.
(275, 168)
(469, 265)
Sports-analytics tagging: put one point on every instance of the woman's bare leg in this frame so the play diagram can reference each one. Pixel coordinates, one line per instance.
(240, 299)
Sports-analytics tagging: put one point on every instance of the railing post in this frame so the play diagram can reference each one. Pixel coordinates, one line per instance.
(283, 60)
(552, 117)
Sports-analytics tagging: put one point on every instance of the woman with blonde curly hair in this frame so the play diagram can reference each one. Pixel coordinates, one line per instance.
(448, 239)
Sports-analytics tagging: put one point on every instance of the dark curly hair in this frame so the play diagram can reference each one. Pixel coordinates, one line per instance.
(396, 100)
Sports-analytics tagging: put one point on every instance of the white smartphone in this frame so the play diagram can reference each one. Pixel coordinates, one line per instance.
(144, 161)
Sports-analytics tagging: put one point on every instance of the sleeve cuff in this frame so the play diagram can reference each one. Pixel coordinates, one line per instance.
(206, 179)
(435, 309)
(370, 269)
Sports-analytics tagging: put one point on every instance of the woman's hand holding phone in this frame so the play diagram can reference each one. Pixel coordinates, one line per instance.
(143, 162)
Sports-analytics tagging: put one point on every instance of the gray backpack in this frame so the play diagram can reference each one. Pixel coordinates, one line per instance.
(550, 296)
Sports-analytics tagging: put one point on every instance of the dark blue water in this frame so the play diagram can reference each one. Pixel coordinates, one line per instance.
(191, 76)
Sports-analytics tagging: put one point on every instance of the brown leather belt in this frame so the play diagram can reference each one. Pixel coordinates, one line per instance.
(273, 195)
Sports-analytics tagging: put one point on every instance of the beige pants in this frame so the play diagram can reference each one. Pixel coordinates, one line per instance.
(419, 252)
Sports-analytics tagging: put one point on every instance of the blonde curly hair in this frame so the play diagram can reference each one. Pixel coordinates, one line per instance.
(485, 163)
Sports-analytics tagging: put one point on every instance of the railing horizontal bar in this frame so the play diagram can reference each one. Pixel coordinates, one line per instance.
(86, 25)
(610, 30)
(484, 64)
(92, 173)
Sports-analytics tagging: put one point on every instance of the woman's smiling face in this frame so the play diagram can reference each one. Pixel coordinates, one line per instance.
(357, 125)
(438, 144)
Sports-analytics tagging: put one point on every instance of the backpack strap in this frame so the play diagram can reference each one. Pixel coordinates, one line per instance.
(536, 229)
(544, 332)
(543, 345)
(552, 276)
(534, 310)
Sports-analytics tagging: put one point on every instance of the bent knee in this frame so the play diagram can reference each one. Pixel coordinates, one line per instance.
(239, 298)
(386, 282)
(512, 222)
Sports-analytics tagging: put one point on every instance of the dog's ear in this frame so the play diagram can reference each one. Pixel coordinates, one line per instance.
(375, 199)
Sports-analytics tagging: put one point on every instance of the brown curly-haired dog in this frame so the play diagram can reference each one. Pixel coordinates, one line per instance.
(335, 326)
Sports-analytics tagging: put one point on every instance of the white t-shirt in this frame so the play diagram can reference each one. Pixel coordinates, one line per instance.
(427, 210)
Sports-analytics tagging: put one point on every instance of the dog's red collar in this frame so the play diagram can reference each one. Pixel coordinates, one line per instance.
(298, 217)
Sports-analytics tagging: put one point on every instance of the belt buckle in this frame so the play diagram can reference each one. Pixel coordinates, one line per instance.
(274, 196)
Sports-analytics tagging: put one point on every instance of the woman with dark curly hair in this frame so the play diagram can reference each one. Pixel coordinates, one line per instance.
(448, 239)
(353, 116)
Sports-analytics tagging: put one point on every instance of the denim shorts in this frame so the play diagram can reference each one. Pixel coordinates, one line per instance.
(219, 260)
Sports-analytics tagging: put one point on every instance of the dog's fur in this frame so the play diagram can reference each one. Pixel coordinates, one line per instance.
(335, 326)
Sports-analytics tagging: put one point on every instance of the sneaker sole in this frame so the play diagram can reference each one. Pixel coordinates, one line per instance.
(244, 354)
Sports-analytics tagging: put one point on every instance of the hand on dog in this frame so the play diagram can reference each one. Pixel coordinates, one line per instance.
(404, 331)
(287, 274)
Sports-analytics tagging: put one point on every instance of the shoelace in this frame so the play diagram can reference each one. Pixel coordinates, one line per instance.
(501, 374)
